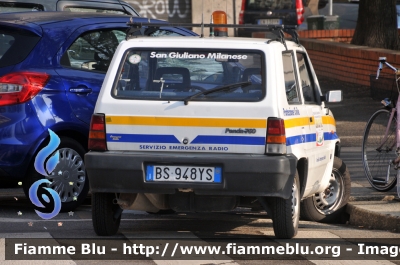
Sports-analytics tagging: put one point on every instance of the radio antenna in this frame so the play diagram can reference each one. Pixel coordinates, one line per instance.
(202, 21)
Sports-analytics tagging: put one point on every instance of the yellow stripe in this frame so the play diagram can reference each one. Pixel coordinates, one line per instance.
(297, 122)
(328, 120)
(195, 122)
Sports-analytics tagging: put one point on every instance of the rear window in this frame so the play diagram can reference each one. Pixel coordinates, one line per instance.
(19, 7)
(258, 5)
(15, 45)
(214, 75)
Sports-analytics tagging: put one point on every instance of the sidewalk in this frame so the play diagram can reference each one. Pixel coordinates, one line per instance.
(371, 209)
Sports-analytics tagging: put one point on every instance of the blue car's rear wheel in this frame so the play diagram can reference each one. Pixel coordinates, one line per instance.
(68, 178)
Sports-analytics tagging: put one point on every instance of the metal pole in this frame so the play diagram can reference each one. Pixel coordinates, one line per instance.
(330, 7)
(234, 17)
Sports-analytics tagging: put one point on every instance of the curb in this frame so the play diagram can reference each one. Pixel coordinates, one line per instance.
(11, 194)
(359, 198)
(361, 217)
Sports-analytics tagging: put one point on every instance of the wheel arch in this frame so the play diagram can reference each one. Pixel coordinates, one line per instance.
(337, 149)
(302, 170)
(77, 136)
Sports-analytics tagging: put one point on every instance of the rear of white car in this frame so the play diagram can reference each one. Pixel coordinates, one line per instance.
(195, 124)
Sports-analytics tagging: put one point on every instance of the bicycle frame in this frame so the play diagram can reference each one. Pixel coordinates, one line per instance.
(393, 110)
(396, 161)
(382, 63)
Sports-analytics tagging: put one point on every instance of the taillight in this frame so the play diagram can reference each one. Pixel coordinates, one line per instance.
(20, 87)
(276, 136)
(97, 133)
(241, 13)
(299, 11)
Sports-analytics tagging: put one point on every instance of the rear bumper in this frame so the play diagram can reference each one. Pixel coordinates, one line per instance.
(242, 175)
(3, 174)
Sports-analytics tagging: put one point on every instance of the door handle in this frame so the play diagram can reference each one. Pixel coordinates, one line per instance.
(80, 90)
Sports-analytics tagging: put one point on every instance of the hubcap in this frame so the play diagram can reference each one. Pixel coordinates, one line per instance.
(295, 203)
(328, 200)
(68, 178)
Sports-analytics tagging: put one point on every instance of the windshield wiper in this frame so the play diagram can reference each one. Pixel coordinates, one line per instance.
(219, 88)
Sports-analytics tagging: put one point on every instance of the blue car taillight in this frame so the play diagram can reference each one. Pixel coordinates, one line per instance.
(20, 87)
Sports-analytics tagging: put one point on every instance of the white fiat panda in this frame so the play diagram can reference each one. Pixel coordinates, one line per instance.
(194, 124)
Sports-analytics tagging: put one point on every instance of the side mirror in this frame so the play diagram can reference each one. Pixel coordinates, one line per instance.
(333, 96)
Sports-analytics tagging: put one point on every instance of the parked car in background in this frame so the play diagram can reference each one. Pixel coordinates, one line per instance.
(52, 65)
(99, 6)
(274, 12)
(347, 13)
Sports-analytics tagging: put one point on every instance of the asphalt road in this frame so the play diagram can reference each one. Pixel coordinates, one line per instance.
(20, 224)
(18, 219)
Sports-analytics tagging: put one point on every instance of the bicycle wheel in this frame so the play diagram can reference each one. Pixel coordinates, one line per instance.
(377, 152)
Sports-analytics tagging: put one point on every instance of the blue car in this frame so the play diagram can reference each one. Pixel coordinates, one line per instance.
(52, 65)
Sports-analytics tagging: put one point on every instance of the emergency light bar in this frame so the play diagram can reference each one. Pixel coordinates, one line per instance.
(145, 28)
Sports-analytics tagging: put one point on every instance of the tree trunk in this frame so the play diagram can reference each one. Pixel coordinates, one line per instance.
(377, 24)
(313, 5)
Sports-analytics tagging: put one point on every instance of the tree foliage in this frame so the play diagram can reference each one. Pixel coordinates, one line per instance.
(377, 24)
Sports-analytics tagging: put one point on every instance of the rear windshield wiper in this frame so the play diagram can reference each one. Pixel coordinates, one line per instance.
(219, 88)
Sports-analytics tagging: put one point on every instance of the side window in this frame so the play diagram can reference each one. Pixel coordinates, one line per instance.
(306, 80)
(292, 94)
(93, 50)
(163, 32)
(94, 10)
(19, 7)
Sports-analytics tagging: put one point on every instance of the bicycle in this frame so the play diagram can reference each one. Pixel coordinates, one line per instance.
(381, 141)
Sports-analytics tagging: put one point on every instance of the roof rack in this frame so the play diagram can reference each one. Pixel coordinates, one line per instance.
(146, 28)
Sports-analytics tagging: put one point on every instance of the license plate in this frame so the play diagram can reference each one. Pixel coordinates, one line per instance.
(270, 21)
(183, 174)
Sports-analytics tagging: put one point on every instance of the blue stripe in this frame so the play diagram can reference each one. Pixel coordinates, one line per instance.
(142, 138)
(330, 136)
(307, 138)
(300, 139)
(216, 139)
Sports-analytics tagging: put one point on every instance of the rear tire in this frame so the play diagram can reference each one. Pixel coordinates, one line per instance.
(329, 206)
(286, 212)
(106, 216)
